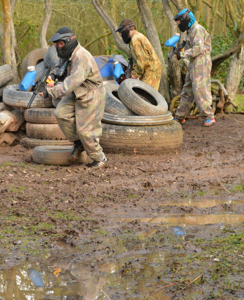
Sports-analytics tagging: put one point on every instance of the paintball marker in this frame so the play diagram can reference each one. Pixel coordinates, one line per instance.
(40, 86)
(129, 69)
(172, 43)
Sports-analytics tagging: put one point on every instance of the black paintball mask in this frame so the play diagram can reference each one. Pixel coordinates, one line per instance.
(66, 35)
(185, 19)
(125, 30)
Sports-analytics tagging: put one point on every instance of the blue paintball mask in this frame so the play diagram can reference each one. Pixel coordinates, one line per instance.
(184, 18)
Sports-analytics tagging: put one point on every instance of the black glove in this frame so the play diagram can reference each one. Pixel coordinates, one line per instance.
(178, 56)
(45, 93)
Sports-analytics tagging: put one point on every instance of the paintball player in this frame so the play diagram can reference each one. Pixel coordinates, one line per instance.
(148, 67)
(198, 80)
(80, 111)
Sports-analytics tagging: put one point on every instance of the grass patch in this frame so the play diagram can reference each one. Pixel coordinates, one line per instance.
(239, 99)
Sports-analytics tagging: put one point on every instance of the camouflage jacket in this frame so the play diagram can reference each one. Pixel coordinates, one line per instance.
(198, 41)
(144, 55)
(83, 75)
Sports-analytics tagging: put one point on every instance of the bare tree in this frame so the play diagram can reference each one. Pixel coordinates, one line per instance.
(178, 4)
(112, 25)
(47, 17)
(174, 71)
(7, 31)
(152, 35)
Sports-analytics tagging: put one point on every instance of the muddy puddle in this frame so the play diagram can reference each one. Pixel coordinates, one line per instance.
(189, 219)
(204, 203)
(75, 278)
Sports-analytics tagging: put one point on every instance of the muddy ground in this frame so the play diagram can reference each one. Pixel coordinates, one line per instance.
(186, 207)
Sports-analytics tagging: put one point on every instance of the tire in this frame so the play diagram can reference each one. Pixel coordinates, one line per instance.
(40, 69)
(44, 131)
(51, 57)
(113, 104)
(141, 139)
(55, 155)
(6, 75)
(40, 115)
(32, 59)
(138, 120)
(14, 97)
(32, 143)
(141, 98)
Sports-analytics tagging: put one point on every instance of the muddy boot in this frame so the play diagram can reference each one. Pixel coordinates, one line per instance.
(77, 149)
(98, 164)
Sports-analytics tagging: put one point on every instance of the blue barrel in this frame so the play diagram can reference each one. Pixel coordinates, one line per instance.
(36, 277)
(107, 70)
(118, 71)
(173, 40)
(29, 79)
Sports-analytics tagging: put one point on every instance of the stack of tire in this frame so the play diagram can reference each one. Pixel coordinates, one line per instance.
(137, 121)
(41, 125)
(6, 75)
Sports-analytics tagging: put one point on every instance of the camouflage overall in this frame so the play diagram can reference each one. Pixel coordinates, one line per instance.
(81, 109)
(197, 85)
(148, 67)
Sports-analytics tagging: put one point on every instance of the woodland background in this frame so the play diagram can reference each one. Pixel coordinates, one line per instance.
(223, 20)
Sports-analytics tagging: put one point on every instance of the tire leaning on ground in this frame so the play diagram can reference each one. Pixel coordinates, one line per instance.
(6, 75)
(14, 97)
(141, 98)
(141, 139)
(55, 155)
(113, 103)
(44, 131)
(40, 115)
(32, 143)
(32, 59)
(138, 120)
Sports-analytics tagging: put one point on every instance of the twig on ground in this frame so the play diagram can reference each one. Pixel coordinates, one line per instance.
(105, 294)
(220, 182)
(200, 276)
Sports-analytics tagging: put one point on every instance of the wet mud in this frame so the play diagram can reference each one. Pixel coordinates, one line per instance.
(145, 227)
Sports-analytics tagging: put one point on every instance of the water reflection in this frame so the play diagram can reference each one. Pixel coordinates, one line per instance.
(189, 219)
(204, 203)
(67, 279)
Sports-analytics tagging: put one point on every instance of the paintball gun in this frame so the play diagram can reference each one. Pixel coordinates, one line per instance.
(172, 43)
(40, 86)
(129, 69)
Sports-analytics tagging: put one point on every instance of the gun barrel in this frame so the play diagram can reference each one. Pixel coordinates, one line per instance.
(31, 100)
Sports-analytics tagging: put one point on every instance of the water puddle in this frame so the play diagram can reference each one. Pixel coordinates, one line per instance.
(204, 203)
(189, 219)
(69, 279)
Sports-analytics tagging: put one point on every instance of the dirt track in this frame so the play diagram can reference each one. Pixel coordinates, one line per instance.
(44, 204)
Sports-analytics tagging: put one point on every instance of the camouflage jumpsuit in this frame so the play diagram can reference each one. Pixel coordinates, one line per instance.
(198, 80)
(148, 67)
(81, 109)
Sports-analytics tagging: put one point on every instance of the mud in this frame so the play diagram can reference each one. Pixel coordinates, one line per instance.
(144, 227)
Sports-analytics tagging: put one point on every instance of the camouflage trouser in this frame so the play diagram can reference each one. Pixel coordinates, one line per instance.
(197, 88)
(152, 78)
(80, 119)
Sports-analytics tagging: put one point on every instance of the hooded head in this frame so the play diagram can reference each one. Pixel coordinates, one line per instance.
(187, 19)
(124, 29)
(66, 35)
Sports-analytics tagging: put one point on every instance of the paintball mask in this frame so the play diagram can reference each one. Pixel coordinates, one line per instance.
(184, 17)
(125, 30)
(66, 35)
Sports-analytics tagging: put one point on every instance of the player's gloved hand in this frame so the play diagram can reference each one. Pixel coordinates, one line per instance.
(45, 93)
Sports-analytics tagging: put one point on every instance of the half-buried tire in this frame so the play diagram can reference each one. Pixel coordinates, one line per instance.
(141, 98)
(56, 155)
(142, 139)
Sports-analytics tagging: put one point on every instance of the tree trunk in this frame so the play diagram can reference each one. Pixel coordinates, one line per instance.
(14, 49)
(235, 73)
(152, 35)
(112, 25)
(214, 14)
(218, 59)
(7, 31)
(174, 71)
(178, 4)
(47, 17)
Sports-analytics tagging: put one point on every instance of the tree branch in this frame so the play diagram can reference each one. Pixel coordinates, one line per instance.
(47, 17)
